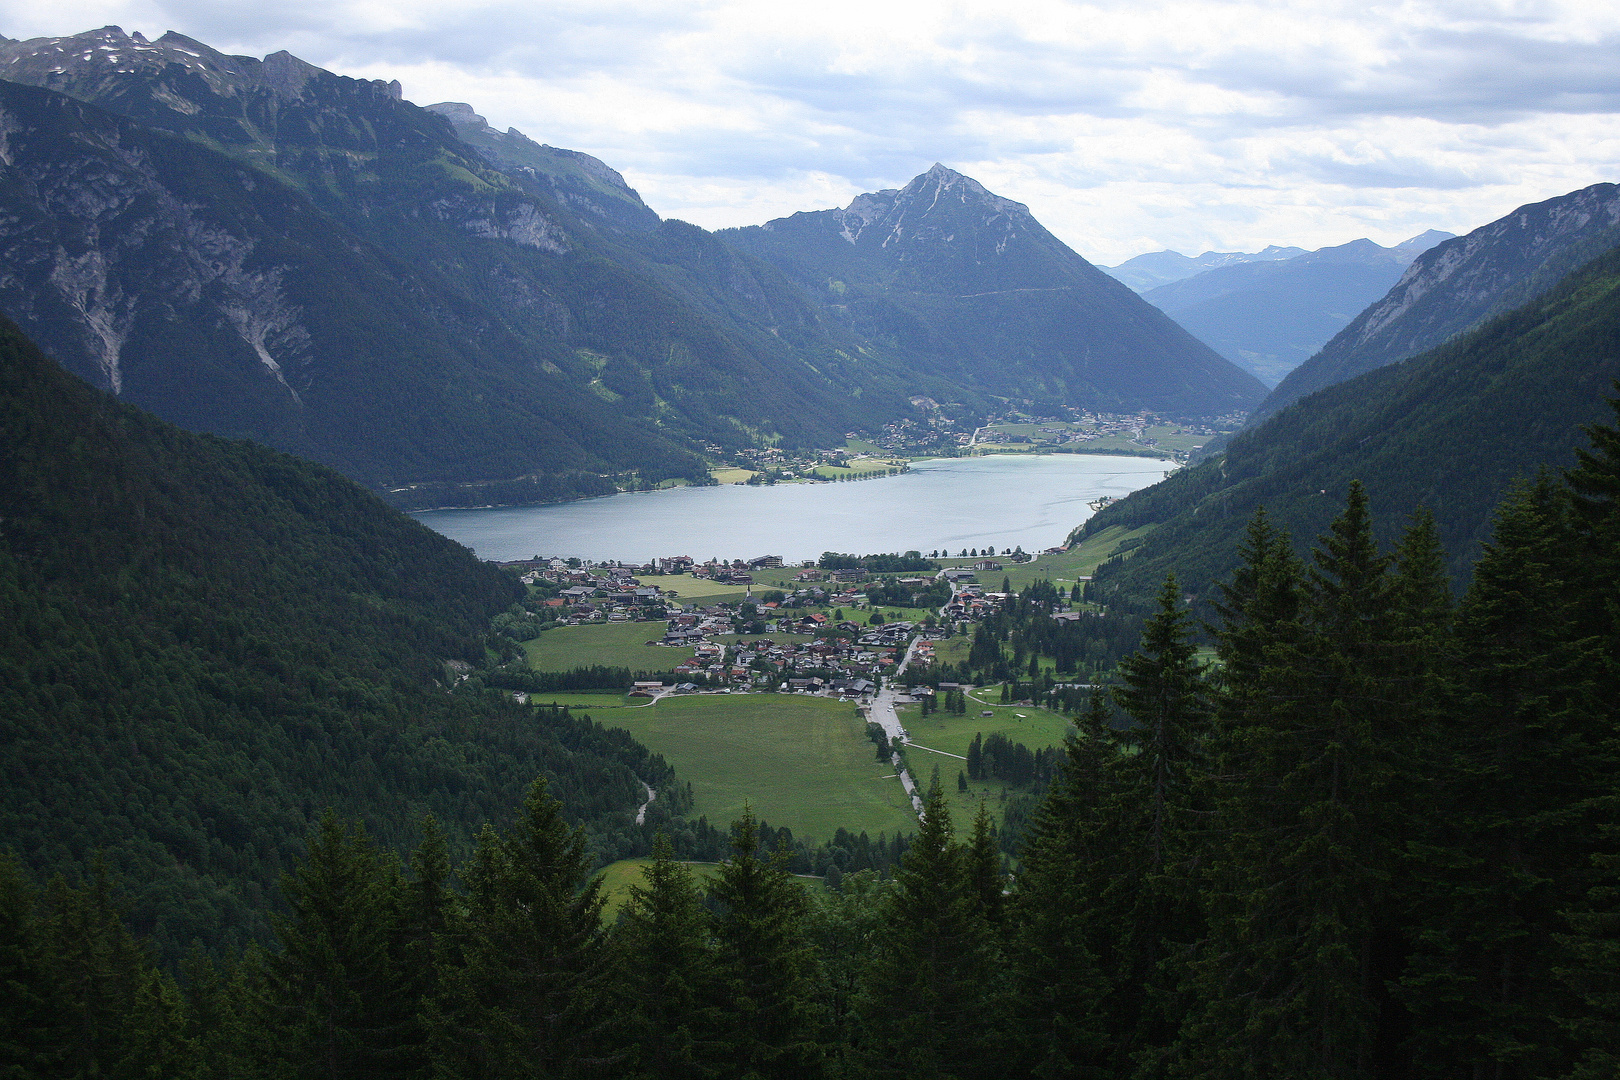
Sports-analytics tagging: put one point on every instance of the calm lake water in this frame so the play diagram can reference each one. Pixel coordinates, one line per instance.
(1000, 501)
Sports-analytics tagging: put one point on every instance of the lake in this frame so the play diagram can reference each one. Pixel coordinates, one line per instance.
(1001, 501)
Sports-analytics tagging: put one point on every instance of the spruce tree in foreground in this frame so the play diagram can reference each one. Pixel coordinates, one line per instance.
(667, 972)
(337, 1001)
(1059, 992)
(932, 986)
(770, 1014)
(1320, 720)
(525, 971)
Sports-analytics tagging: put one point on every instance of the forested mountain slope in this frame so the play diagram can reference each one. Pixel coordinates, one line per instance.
(1448, 430)
(969, 288)
(1459, 284)
(207, 643)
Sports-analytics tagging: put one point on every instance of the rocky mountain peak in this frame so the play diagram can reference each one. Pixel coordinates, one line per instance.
(98, 62)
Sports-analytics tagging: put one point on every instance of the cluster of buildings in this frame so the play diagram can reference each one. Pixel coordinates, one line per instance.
(842, 666)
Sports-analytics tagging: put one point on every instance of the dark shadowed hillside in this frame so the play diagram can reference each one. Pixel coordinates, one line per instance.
(207, 643)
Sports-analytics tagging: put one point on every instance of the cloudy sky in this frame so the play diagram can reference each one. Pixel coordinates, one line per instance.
(1125, 125)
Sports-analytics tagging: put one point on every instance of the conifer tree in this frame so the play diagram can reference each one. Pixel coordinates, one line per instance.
(33, 1017)
(335, 996)
(1149, 895)
(1055, 924)
(668, 971)
(120, 1016)
(930, 1000)
(770, 1011)
(1292, 977)
(1590, 954)
(1508, 852)
(982, 861)
(524, 968)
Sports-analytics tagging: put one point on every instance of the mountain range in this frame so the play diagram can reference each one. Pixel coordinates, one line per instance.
(1155, 268)
(453, 314)
(1268, 316)
(967, 287)
(1460, 283)
(1449, 431)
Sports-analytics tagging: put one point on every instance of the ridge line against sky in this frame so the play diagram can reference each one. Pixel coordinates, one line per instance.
(1126, 127)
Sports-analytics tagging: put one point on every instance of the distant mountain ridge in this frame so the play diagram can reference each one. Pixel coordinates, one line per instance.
(1269, 317)
(1459, 284)
(1155, 268)
(967, 286)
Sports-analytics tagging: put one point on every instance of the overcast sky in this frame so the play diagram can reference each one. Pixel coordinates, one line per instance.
(1126, 125)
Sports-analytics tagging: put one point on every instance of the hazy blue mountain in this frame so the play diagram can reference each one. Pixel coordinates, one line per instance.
(967, 287)
(1460, 283)
(1449, 429)
(1156, 268)
(1269, 317)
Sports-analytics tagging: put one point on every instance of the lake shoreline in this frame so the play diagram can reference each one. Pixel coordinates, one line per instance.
(947, 503)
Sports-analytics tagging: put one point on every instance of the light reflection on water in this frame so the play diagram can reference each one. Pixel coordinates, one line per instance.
(1000, 501)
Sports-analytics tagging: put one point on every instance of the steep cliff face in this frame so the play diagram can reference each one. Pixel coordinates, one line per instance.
(969, 287)
(1459, 284)
(205, 290)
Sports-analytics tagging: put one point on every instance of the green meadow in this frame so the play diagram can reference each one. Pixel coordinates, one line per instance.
(949, 734)
(800, 762)
(618, 877)
(609, 644)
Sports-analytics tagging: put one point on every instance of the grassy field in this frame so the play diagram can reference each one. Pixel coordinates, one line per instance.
(951, 734)
(1035, 728)
(731, 476)
(690, 588)
(619, 876)
(1065, 568)
(609, 644)
(590, 701)
(801, 762)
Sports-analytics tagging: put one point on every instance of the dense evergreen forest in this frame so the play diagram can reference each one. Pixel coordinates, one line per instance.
(205, 644)
(1373, 840)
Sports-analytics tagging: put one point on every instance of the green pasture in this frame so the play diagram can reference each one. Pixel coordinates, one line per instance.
(610, 644)
(618, 877)
(802, 762)
(584, 700)
(947, 732)
(1067, 567)
(1167, 439)
(690, 588)
(951, 734)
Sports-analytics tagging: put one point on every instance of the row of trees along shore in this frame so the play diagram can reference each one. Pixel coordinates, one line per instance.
(1375, 840)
